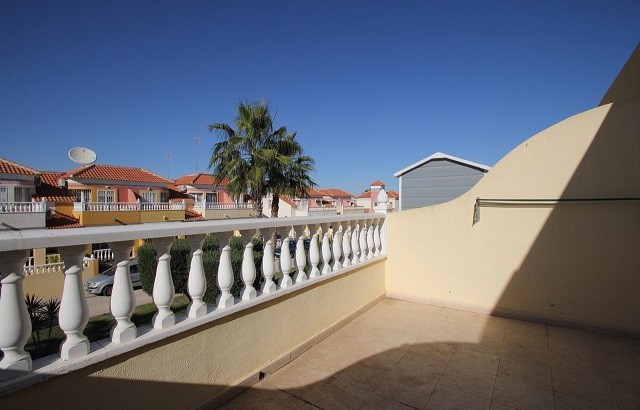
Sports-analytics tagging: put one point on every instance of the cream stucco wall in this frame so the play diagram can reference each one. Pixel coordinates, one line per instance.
(575, 262)
(187, 369)
(50, 284)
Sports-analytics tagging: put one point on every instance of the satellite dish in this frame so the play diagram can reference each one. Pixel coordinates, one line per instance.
(83, 156)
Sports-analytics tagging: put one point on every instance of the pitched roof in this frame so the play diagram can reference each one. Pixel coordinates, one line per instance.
(289, 201)
(176, 196)
(58, 220)
(441, 155)
(332, 192)
(200, 179)
(50, 190)
(390, 194)
(116, 173)
(377, 182)
(10, 167)
(191, 215)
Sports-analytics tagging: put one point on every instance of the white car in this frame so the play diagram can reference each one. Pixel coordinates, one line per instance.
(102, 284)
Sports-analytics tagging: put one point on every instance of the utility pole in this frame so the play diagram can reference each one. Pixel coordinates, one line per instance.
(197, 143)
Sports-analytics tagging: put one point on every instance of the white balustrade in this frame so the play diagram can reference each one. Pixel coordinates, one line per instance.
(197, 282)
(22, 207)
(123, 300)
(346, 246)
(337, 249)
(377, 240)
(103, 255)
(268, 262)
(248, 266)
(353, 240)
(222, 205)
(314, 254)
(326, 251)
(15, 326)
(225, 272)
(301, 260)
(370, 243)
(163, 289)
(74, 310)
(355, 244)
(363, 242)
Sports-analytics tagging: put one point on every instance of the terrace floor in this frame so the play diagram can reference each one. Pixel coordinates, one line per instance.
(402, 355)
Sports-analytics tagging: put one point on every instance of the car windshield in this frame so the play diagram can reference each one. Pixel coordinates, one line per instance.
(133, 268)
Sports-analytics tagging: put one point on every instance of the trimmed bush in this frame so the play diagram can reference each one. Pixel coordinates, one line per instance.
(180, 264)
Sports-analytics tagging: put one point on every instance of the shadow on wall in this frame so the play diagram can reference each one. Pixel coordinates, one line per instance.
(584, 264)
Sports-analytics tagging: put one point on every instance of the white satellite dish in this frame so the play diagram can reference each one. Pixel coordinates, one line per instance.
(83, 156)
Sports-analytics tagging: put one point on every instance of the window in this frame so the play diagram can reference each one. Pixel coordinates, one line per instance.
(197, 196)
(164, 197)
(22, 194)
(149, 197)
(212, 197)
(106, 196)
(82, 195)
(4, 194)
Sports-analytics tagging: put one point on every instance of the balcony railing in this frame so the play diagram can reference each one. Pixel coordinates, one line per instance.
(221, 205)
(337, 244)
(22, 207)
(128, 206)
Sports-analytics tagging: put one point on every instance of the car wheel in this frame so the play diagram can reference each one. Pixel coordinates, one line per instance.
(107, 290)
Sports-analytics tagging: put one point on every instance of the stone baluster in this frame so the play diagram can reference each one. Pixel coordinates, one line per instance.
(15, 326)
(363, 241)
(123, 300)
(225, 272)
(355, 244)
(377, 241)
(301, 259)
(370, 243)
(346, 245)
(163, 290)
(74, 310)
(197, 282)
(337, 248)
(383, 237)
(268, 263)
(285, 263)
(314, 253)
(326, 251)
(248, 266)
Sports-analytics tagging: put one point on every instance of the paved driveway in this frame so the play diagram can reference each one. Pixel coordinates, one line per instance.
(100, 304)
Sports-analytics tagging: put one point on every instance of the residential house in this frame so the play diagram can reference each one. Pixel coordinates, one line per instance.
(210, 199)
(436, 179)
(17, 186)
(369, 199)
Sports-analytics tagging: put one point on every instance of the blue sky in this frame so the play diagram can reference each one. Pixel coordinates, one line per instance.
(371, 86)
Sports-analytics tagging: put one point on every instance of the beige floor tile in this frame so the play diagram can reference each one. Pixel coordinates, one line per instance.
(581, 363)
(446, 398)
(436, 354)
(362, 375)
(487, 345)
(263, 399)
(299, 380)
(527, 340)
(529, 373)
(527, 327)
(522, 396)
(338, 394)
(592, 389)
(407, 388)
(421, 367)
(535, 355)
(567, 402)
(623, 372)
(472, 382)
(380, 402)
(498, 406)
(617, 349)
(465, 359)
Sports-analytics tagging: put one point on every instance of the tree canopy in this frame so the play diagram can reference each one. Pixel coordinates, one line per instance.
(258, 159)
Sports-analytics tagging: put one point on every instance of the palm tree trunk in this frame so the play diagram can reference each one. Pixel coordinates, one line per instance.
(275, 205)
(257, 207)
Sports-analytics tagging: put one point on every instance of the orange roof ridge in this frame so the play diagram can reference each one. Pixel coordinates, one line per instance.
(11, 167)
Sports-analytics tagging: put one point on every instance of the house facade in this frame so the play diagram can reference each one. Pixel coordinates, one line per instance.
(369, 199)
(436, 179)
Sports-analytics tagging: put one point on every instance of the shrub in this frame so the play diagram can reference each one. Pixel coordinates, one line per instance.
(180, 264)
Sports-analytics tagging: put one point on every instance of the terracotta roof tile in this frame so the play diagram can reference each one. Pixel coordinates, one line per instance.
(58, 220)
(332, 192)
(365, 195)
(191, 215)
(200, 179)
(390, 194)
(50, 190)
(10, 167)
(289, 201)
(116, 173)
(377, 182)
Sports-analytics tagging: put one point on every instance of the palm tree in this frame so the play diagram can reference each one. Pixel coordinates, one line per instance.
(257, 159)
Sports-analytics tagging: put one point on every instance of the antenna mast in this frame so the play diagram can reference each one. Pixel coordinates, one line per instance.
(168, 164)
(197, 143)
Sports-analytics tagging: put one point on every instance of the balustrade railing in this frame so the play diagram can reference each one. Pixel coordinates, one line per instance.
(22, 207)
(103, 255)
(222, 205)
(338, 242)
(128, 206)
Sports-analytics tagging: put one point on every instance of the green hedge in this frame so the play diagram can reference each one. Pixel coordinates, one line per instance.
(181, 261)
